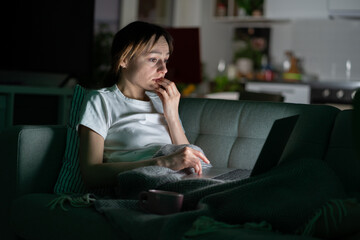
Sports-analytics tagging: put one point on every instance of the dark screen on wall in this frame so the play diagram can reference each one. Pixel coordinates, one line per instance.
(184, 64)
(47, 36)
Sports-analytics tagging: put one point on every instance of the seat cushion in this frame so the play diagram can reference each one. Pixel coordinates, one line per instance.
(31, 218)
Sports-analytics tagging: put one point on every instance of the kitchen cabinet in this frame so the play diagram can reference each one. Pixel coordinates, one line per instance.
(294, 9)
(292, 92)
(276, 11)
(344, 8)
(286, 10)
(227, 11)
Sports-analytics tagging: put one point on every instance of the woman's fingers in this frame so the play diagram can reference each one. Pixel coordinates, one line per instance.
(202, 157)
(198, 156)
(168, 86)
(162, 91)
(164, 82)
(187, 157)
(199, 167)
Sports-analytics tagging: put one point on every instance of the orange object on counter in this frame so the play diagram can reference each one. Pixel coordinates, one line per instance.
(293, 74)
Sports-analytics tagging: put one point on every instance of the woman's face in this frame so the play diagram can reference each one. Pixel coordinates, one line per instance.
(143, 70)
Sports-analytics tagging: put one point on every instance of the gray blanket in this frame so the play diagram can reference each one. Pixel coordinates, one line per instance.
(285, 197)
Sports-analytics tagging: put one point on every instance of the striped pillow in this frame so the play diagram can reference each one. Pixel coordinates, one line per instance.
(69, 180)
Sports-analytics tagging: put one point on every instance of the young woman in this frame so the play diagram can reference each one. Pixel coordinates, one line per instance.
(123, 125)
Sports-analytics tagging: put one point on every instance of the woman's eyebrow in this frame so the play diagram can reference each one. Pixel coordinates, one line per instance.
(157, 52)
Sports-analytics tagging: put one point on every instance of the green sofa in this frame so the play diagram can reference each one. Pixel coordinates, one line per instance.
(231, 134)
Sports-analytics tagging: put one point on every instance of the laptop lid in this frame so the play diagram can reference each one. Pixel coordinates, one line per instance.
(275, 144)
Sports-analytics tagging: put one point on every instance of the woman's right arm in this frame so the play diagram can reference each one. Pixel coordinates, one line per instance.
(96, 173)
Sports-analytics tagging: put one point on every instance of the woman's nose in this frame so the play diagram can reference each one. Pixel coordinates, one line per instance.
(162, 67)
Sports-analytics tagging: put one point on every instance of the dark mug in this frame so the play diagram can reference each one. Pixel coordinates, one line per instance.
(161, 202)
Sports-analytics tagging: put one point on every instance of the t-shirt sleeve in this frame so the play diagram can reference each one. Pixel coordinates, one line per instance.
(93, 114)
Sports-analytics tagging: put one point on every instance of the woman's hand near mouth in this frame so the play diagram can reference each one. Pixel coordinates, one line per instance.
(170, 97)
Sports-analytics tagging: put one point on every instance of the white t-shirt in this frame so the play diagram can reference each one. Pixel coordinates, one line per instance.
(133, 130)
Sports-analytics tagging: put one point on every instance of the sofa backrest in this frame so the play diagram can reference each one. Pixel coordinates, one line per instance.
(232, 133)
(341, 154)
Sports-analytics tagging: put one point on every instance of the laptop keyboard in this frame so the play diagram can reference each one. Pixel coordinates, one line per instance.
(236, 174)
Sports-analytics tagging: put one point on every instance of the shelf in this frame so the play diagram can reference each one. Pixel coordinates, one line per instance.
(249, 19)
(5, 89)
(25, 105)
(229, 14)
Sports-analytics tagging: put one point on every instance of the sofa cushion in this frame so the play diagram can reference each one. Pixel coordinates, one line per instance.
(32, 219)
(69, 180)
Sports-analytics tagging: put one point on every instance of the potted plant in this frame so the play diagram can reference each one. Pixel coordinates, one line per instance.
(247, 58)
(251, 7)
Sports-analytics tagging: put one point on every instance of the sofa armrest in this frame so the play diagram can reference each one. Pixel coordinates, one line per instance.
(31, 158)
(341, 153)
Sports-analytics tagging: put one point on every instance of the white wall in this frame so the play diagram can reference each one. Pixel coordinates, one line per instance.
(128, 12)
(324, 45)
(187, 13)
(216, 40)
(296, 9)
(107, 11)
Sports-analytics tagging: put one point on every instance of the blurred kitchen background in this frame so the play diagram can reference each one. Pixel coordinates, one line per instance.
(306, 51)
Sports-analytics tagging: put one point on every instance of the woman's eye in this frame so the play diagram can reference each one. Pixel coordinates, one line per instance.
(154, 60)
(166, 61)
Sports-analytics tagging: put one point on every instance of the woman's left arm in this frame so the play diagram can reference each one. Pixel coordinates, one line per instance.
(170, 97)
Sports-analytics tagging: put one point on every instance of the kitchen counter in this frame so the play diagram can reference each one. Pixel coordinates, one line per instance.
(339, 92)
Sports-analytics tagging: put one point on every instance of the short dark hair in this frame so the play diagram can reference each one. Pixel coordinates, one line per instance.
(131, 41)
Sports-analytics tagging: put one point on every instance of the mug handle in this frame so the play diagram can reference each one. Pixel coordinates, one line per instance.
(143, 196)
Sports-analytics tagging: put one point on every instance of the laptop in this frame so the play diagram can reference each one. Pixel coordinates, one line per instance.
(269, 156)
